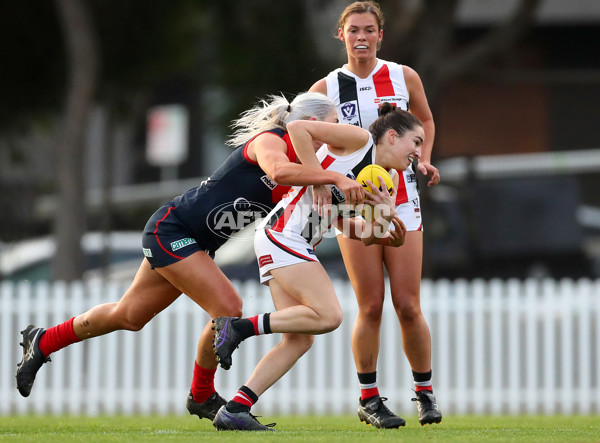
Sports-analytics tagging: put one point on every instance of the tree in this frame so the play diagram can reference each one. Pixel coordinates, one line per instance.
(69, 218)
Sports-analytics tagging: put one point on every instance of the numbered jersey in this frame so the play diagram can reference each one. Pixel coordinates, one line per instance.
(359, 100)
(294, 216)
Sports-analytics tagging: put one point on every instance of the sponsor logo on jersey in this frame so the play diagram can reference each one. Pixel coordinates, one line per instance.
(411, 178)
(182, 243)
(348, 111)
(147, 252)
(264, 260)
(338, 195)
(231, 217)
(398, 101)
(267, 181)
(365, 88)
(310, 251)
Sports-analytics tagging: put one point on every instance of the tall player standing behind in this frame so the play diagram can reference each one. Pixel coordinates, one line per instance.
(360, 88)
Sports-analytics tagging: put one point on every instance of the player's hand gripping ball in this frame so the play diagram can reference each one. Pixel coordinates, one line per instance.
(372, 173)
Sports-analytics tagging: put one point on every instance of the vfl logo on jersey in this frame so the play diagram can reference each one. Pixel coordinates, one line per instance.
(348, 111)
(416, 205)
(411, 178)
(267, 181)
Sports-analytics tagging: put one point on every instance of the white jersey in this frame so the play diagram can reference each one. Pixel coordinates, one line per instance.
(294, 216)
(359, 99)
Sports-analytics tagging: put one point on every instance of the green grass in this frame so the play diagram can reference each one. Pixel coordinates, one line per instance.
(299, 429)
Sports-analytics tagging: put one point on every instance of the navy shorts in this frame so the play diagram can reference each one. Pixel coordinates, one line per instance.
(166, 240)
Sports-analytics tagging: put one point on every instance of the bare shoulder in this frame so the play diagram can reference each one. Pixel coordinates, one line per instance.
(319, 86)
(265, 143)
(411, 76)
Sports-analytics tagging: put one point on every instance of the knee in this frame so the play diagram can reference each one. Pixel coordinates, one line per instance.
(133, 322)
(234, 309)
(408, 311)
(230, 307)
(331, 321)
(128, 320)
(371, 307)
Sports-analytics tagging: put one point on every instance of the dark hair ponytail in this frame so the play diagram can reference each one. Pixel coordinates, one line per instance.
(392, 118)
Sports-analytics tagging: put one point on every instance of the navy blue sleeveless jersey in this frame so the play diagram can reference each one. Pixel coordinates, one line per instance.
(204, 217)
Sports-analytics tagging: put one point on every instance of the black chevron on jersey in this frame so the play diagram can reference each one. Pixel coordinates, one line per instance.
(348, 91)
(366, 161)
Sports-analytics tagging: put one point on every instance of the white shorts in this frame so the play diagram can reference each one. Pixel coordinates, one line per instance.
(409, 213)
(275, 250)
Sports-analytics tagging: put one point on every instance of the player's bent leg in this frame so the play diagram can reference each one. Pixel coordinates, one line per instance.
(148, 294)
(202, 280)
(131, 312)
(317, 309)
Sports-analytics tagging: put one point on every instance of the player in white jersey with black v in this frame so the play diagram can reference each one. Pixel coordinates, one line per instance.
(284, 243)
(384, 84)
(360, 88)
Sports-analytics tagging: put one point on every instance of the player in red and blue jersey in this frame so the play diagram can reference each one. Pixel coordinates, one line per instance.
(180, 238)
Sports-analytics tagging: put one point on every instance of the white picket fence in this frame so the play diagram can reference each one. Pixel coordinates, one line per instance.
(499, 347)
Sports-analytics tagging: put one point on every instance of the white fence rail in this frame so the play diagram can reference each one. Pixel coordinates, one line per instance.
(499, 347)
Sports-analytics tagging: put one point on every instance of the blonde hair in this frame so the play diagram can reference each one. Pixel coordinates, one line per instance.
(275, 112)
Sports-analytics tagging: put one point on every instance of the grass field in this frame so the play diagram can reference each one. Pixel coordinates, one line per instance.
(299, 429)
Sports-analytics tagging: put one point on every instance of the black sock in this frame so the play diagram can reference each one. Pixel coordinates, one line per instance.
(244, 327)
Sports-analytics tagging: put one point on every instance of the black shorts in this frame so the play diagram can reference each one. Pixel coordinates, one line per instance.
(166, 240)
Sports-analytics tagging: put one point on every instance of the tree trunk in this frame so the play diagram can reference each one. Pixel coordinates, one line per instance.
(69, 219)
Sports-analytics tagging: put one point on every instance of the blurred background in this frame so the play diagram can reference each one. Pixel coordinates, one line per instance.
(85, 87)
(110, 108)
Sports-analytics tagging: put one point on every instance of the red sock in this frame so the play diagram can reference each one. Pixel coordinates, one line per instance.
(367, 381)
(368, 393)
(58, 337)
(245, 396)
(203, 383)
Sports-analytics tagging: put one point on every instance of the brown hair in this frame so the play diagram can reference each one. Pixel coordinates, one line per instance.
(391, 118)
(366, 7)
